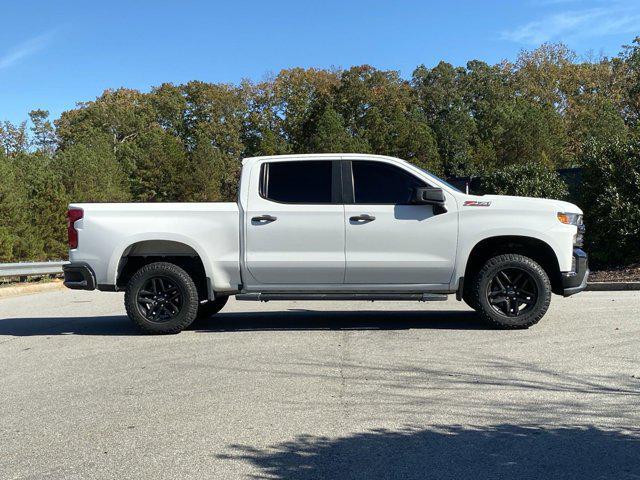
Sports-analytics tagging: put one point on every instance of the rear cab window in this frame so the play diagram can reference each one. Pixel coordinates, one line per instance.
(309, 182)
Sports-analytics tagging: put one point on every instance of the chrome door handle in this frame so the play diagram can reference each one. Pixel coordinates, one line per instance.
(365, 217)
(264, 219)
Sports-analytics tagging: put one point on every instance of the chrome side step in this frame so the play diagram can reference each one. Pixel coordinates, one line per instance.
(416, 297)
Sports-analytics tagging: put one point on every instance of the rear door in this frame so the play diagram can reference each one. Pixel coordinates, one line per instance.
(388, 240)
(295, 232)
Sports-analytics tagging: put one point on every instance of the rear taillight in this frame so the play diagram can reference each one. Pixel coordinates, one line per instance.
(73, 214)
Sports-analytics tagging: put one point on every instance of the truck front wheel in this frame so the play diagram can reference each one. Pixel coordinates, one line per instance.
(512, 291)
(161, 298)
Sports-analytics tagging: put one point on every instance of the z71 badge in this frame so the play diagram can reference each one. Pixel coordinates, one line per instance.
(473, 203)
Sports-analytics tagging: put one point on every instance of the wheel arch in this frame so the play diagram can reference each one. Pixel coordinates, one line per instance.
(532, 247)
(139, 251)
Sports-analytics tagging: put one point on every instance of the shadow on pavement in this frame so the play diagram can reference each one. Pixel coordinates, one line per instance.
(253, 321)
(103, 325)
(341, 320)
(501, 451)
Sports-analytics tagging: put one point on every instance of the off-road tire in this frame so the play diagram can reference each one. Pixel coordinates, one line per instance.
(188, 291)
(487, 274)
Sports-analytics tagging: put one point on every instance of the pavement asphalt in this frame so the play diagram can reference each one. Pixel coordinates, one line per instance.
(319, 390)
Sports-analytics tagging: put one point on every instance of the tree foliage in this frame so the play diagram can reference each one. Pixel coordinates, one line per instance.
(512, 123)
(528, 180)
(611, 194)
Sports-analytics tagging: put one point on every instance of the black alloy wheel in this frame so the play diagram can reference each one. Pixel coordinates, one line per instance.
(512, 292)
(160, 299)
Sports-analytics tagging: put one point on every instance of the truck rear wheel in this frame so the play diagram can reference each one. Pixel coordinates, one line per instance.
(161, 298)
(512, 291)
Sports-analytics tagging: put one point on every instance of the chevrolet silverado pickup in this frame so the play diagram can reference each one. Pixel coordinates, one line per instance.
(330, 227)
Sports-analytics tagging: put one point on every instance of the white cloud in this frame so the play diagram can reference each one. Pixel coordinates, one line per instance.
(594, 22)
(25, 49)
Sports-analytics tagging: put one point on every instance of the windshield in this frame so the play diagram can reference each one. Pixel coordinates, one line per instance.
(440, 180)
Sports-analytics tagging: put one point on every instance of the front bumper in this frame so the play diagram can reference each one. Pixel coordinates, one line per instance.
(79, 276)
(576, 281)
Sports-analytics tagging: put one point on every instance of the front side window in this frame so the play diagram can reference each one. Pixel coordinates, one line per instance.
(382, 183)
(297, 182)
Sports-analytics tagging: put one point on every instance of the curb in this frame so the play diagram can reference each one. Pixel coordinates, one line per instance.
(28, 289)
(612, 286)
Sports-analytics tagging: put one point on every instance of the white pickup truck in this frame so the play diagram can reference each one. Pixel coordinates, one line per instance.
(330, 227)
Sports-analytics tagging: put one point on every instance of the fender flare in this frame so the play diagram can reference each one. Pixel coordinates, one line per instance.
(123, 245)
(464, 255)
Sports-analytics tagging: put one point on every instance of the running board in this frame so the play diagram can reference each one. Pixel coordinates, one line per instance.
(416, 297)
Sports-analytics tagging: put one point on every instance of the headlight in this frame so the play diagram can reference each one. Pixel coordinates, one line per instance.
(570, 218)
(574, 219)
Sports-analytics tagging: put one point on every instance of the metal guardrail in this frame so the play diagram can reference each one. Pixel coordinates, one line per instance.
(25, 269)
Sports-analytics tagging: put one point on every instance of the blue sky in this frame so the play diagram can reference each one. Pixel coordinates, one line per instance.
(56, 53)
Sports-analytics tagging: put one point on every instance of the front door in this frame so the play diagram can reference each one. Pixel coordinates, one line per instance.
(295, 226)
(388, 240)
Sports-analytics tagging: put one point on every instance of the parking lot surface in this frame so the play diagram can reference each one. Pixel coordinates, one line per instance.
(319, 390)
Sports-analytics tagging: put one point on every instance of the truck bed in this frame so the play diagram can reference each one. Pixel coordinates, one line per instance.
(110, 231)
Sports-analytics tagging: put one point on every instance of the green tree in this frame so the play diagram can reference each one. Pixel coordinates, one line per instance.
(90, 172)
(379, 111)
(611, 197)
(208, 172)
(46, 203)
(280, 109)
(328, 133)
(525, 180)
(44, 135)
(215, 115)
(156, 162)
(440, 94)
(628, 68)
(14, 225)
(530, 133)
(14, 139)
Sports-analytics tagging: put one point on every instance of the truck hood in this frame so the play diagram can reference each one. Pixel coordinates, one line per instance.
(526, 203)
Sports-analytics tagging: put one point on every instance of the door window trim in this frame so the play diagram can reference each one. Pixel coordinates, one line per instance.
(342, 182)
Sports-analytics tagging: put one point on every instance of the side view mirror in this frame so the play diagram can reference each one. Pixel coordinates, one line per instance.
(429, 196)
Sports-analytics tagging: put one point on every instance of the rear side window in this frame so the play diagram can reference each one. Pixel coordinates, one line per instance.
(382, 183)
(297, 182)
